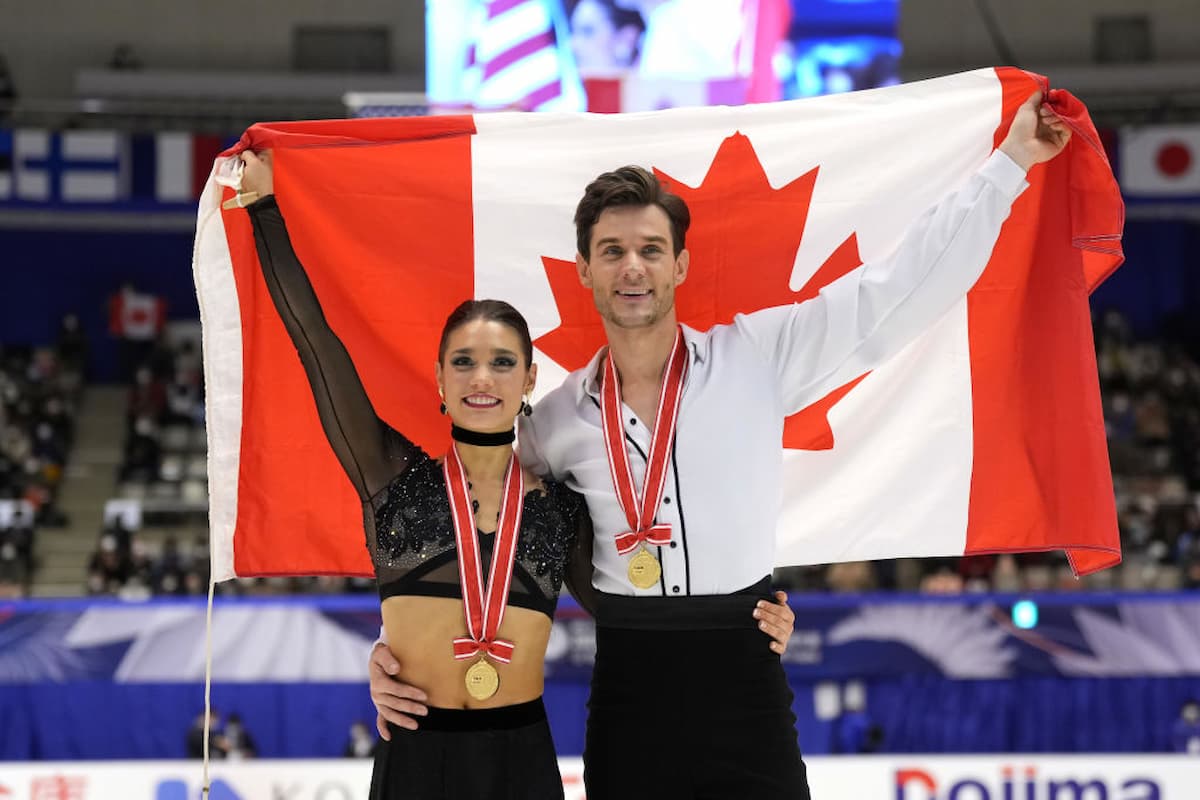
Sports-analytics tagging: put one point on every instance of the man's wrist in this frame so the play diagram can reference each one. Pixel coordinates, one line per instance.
(1003, 172)
(1019, 155)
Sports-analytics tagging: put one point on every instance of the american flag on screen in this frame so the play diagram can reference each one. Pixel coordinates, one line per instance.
(516, 60)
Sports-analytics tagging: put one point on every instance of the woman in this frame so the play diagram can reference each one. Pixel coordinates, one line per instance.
(604, 37)
(470, 552)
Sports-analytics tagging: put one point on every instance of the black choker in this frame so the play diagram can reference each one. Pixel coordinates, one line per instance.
(482, 439)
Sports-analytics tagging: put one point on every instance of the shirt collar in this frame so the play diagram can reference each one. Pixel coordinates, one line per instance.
(697, 344)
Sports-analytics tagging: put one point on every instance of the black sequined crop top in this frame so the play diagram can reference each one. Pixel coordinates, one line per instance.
(414, 551)
(410, 534)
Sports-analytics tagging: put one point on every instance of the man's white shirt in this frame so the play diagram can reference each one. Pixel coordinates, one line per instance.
(724, 479)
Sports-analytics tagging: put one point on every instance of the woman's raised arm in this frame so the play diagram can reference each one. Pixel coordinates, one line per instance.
(370, 452)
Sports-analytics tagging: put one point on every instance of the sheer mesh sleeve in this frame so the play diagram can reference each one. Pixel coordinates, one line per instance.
(578, 575)
(371, 452)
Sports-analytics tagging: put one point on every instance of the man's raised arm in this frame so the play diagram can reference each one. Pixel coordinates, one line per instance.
(860, 320)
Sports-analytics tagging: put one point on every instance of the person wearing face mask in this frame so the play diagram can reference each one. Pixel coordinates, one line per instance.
(360, 743)
(1185, 735)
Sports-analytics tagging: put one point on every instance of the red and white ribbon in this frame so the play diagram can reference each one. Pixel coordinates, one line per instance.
(640, 512)
(484, 614)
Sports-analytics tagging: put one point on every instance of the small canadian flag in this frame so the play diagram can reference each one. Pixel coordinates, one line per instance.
(136, 315)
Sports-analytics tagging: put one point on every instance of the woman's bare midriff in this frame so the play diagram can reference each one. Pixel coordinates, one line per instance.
(422, 630)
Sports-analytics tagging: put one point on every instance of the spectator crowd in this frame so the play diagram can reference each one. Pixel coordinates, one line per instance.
(39, 392)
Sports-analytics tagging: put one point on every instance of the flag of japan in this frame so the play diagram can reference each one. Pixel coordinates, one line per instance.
(983, 435)
(1160, 161)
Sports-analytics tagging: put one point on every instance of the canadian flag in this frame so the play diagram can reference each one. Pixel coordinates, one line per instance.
(983, 435)
(134, 315)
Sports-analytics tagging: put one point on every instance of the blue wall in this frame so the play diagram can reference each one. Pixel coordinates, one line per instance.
(1159, 283)
(1127, 674)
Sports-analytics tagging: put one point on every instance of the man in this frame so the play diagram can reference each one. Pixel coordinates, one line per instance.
(685, 702)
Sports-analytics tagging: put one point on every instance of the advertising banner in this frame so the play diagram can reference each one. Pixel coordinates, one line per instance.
(911, 777)
(837, 637)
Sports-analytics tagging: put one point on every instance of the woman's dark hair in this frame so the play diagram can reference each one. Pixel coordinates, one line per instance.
(489, 311)
(628, 186)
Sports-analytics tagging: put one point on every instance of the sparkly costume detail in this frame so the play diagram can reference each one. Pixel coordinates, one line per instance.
(414, 551)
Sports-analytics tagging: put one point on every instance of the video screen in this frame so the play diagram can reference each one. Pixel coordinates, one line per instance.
(638, 55)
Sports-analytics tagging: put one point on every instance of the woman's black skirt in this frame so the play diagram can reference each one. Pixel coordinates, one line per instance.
(501, 753)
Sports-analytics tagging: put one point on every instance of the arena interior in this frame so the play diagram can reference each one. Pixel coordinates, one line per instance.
(988, 677)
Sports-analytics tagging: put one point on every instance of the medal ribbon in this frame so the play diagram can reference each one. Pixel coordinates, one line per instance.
(484, 614)
(640, 515)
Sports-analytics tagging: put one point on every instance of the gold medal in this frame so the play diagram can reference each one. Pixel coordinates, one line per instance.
(483, 614)
(641, 511)
(482, 680)
(644, 569)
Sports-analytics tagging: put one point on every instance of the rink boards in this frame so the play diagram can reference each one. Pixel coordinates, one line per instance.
(901, 777)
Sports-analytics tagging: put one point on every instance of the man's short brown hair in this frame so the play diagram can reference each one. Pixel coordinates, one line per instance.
(628, 186)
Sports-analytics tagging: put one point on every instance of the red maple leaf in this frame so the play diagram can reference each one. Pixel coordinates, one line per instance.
(743, 242)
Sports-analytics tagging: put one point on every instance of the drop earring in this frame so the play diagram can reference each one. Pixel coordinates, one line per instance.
(442, 407)
(526, 407)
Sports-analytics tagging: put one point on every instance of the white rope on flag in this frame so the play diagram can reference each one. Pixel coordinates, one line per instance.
(208, 654)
